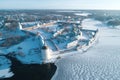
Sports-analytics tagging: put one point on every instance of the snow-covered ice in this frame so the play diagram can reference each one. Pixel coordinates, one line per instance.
(101, 62)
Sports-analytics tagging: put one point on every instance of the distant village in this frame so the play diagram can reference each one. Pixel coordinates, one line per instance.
(42, 16)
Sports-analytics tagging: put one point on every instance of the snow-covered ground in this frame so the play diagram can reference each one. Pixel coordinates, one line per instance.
(101, 62)
(7, 34)
(59, 45)
(5, 67)
(82, 14)
(29, 52)
(5, 73)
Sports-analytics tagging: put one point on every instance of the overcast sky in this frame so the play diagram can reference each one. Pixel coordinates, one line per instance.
(60, 4)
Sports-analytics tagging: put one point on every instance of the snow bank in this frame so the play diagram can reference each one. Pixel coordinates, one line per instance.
(30, 51)
(5, 73)
(4, 67)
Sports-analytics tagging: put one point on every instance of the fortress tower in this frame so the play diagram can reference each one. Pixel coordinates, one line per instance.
(20, 26)
(45, 50)
(46, 53)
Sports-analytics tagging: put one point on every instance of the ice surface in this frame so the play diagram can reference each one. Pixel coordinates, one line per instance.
(101, 62)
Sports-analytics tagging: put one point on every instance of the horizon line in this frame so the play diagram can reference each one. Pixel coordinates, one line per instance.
(55, 9)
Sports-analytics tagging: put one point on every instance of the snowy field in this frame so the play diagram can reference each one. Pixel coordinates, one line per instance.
(30, 51)
(29, 55)
(101, 62)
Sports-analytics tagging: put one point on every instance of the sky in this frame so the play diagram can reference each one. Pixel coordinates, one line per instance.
(60, 4)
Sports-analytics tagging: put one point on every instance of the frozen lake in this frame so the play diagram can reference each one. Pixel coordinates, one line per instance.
(101, 62)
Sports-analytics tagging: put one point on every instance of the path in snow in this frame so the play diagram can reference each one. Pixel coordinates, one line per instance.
(101, 62)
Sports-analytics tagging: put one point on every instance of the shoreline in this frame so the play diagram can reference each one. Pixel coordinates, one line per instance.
(30, 71)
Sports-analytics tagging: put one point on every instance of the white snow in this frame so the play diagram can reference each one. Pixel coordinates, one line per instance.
(4, 68)
(118, 27)
(68, 11)
(101, 62)
(4, 62)
(5, 73)
(29, 50)
(82, 14)
(30, 53)
(91, 24)
(7, 34)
